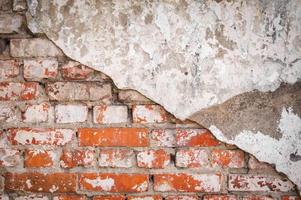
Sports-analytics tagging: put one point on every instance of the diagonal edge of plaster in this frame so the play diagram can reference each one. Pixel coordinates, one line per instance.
(186, 79)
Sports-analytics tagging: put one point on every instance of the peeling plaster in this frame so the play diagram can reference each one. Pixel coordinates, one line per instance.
(233, 66)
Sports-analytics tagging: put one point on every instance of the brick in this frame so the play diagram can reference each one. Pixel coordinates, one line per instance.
(114, 182)
(149, 114)
(253, 163)
(182, 197)
(69, 197)
(4, 197)
(287, 197)
(109, 197)
(36, 113)
(9, 69)
(8, 113)
(5, 5)
(71, 113)
(39, 158)
(220, 197)
(40, 136)
(75, 158)
(11, 91)
(10, 23)
(228, 158)
(38, 69)
(105, 114)
(32, 197)
(67, 91)
(195, 138)
(9, 157)
(187, 182)
(76, 71)
(116, 158)
(153, 159)
(192, 158)
(130, 96)
(38, 182)
(257, 197)
(19, 5)
(249, 182)
(113, 137)
(34, 47)
(145, 197)
(163, 137)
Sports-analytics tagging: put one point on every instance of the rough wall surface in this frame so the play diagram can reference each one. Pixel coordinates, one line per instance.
(232, 66)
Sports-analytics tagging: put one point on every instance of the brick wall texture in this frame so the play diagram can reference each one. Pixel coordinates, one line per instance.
(67, 133)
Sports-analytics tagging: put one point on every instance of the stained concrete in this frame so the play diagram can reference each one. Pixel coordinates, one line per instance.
(232, 66)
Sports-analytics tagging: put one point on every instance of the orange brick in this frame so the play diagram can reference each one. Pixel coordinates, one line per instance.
(114, 137)
(228, 158)
(39, 158)
(11, 91)
(114, 182)
(37, 182)
(69, 197)
(116, 158)
(145, 197)
(109, 197)
(153, 159)
(192, 158)
(149, 114)
(70, 159)
(163, 137)
(183, 182)
(195, 137)
(220, 197)
(182, 197)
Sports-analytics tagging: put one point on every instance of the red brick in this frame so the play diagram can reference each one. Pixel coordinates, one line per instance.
(116, 158)
(9, 69)
(37, 182)
(249, 182)
(9, 157)
(145, 197)
(287, 197)
(114, 137)
(9, 113)
(69, 197)
(40, 136)
(32, 197)
(257, 197)
(109, 197)
(70, 159)
(105, 114)
(76, 71)
(153, 158)
(228, 158)
(130, 96)
(114, 182)
(255, 164)
(39, 158)
(40, 69)
(192, 158)
(149, 114)
(163, 137)
(11, 91)
(195, 138)
(36, 113)
(182, 197)
(220, 197)
(187, 182)
(71, 113)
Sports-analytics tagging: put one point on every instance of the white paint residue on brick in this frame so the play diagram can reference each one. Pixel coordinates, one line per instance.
(208, 182)
(105, 184)
(141, 187)
(53, 188)
(146, 158)
(28, 183)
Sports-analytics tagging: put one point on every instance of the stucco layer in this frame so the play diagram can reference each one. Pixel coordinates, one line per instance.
(191, 55)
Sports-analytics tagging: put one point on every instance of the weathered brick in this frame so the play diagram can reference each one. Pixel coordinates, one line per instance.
(37, 182)
(71, 113)
(34, 47)
(153, 158)
(8, 113)
(149, 114)
(10, 23)
(195, 138)
(19, 5)
(11, 91)
(145, 197)
(114, 182)
(220, 197)
(258, 197)
(36, 113)
(38, 69)
(32, 197)
(5, 5)
(39, 158)
(187, 182)
(192, 158)
(287, 197)
(130, 96)
(4, 197)
(253, 163)
(105, 114)
(67, 91)
(40, 136)
(109, 197)
(163, 137)
(113, 137)
(182, 197)
(228, 158)
(70, 159)
(9, 157)
(9, 69)
(249, 182)
(70, 197)
(116, 158)
(75, 71)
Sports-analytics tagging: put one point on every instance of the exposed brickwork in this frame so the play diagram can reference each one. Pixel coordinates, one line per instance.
(67, 133)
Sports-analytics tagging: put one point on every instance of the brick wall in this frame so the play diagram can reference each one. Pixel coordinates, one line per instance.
(68, 133)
